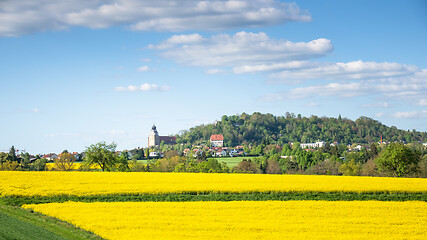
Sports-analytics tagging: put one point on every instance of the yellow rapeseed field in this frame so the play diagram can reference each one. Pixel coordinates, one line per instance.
(75, 166)
(101, 183)
(246, 219)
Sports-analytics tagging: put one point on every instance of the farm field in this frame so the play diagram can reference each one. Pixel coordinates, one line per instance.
(110, 183)
(120, 205)
(246, 219)
(76, 166)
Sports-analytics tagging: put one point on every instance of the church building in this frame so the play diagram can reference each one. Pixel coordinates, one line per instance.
(154, 139)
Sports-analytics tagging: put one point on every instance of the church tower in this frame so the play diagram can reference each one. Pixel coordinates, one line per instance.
(154, 138)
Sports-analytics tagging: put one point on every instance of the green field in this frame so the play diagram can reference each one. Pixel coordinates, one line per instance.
(17, 223)
(232, 161)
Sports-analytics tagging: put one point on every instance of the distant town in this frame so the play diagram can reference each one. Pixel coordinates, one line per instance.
(164, 154)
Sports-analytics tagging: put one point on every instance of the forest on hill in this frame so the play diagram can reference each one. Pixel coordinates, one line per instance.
(256, 128)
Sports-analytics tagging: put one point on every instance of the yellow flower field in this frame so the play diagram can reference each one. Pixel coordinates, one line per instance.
(76, 166)
(246, 219)
(101, 183)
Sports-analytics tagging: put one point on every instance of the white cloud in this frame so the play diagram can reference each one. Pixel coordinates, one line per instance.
(143, 69)
(377, 105)
(346, 71)
(410, 89)
(332, 89)
(422, 102)
(145, 87)
(412, 114)
(271, 67)
(28, 16)
(35, 110)
(238, 50)
(215, 71)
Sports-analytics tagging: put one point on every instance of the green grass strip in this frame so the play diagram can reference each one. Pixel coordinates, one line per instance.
(17, 223)
(252, 196)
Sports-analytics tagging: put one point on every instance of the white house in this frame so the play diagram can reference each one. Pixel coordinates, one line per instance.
(217, 140)
(318, 144)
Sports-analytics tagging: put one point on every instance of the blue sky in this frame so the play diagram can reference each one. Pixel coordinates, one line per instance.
(75, 73)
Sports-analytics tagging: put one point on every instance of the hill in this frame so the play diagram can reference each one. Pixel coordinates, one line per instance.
(257, 127)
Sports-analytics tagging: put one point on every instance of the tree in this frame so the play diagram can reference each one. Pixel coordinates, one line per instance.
(350, 168)
(398, 160)
(65, 161)
(3, 157)
(12, 155)
(273, 167)
(102, 154)
(39, 165)
(171, 153)
(246, 166)
(25, 161)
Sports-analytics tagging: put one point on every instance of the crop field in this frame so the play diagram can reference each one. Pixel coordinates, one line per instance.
(75, 166)
(119, 205)
(105, 183)
(246, 219)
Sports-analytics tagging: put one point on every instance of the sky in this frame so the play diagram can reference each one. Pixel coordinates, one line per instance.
(74, 73)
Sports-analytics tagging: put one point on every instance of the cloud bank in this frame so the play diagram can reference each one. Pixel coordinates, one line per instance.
(242, 48)
(28, 16)
(287, 62)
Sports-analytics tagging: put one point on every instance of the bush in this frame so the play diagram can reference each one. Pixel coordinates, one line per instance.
(246, 166)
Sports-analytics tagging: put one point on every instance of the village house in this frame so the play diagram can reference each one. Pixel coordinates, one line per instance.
(50, 157)
(217, 140)
(317, 144)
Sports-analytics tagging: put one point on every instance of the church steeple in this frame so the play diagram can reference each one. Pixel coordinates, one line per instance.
(154, 130)
(154, 138)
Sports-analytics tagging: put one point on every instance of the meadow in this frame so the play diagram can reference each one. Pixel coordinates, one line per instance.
(231, 161)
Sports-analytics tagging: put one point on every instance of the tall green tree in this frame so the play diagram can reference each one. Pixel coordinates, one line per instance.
(398, 160)
(102, 154)
(12, 155)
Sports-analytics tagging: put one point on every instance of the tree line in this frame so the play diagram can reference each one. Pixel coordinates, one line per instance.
(395, 159)
(252, 129)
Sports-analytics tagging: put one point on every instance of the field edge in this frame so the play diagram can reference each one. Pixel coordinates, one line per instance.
(53, 225)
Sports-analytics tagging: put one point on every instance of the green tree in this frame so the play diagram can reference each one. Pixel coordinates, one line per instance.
(102, 154)
(65, 161)
(350, 168)
(25, 161)
(3, 157)
(398, 160)
(12, 155)
(246, 166)
(122, 164)
(39, 164)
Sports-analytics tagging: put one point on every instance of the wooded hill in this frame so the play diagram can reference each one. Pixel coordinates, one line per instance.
(255, 128)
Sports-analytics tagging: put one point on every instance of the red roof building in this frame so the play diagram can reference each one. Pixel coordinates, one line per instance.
(217, 137)
(217, 140)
